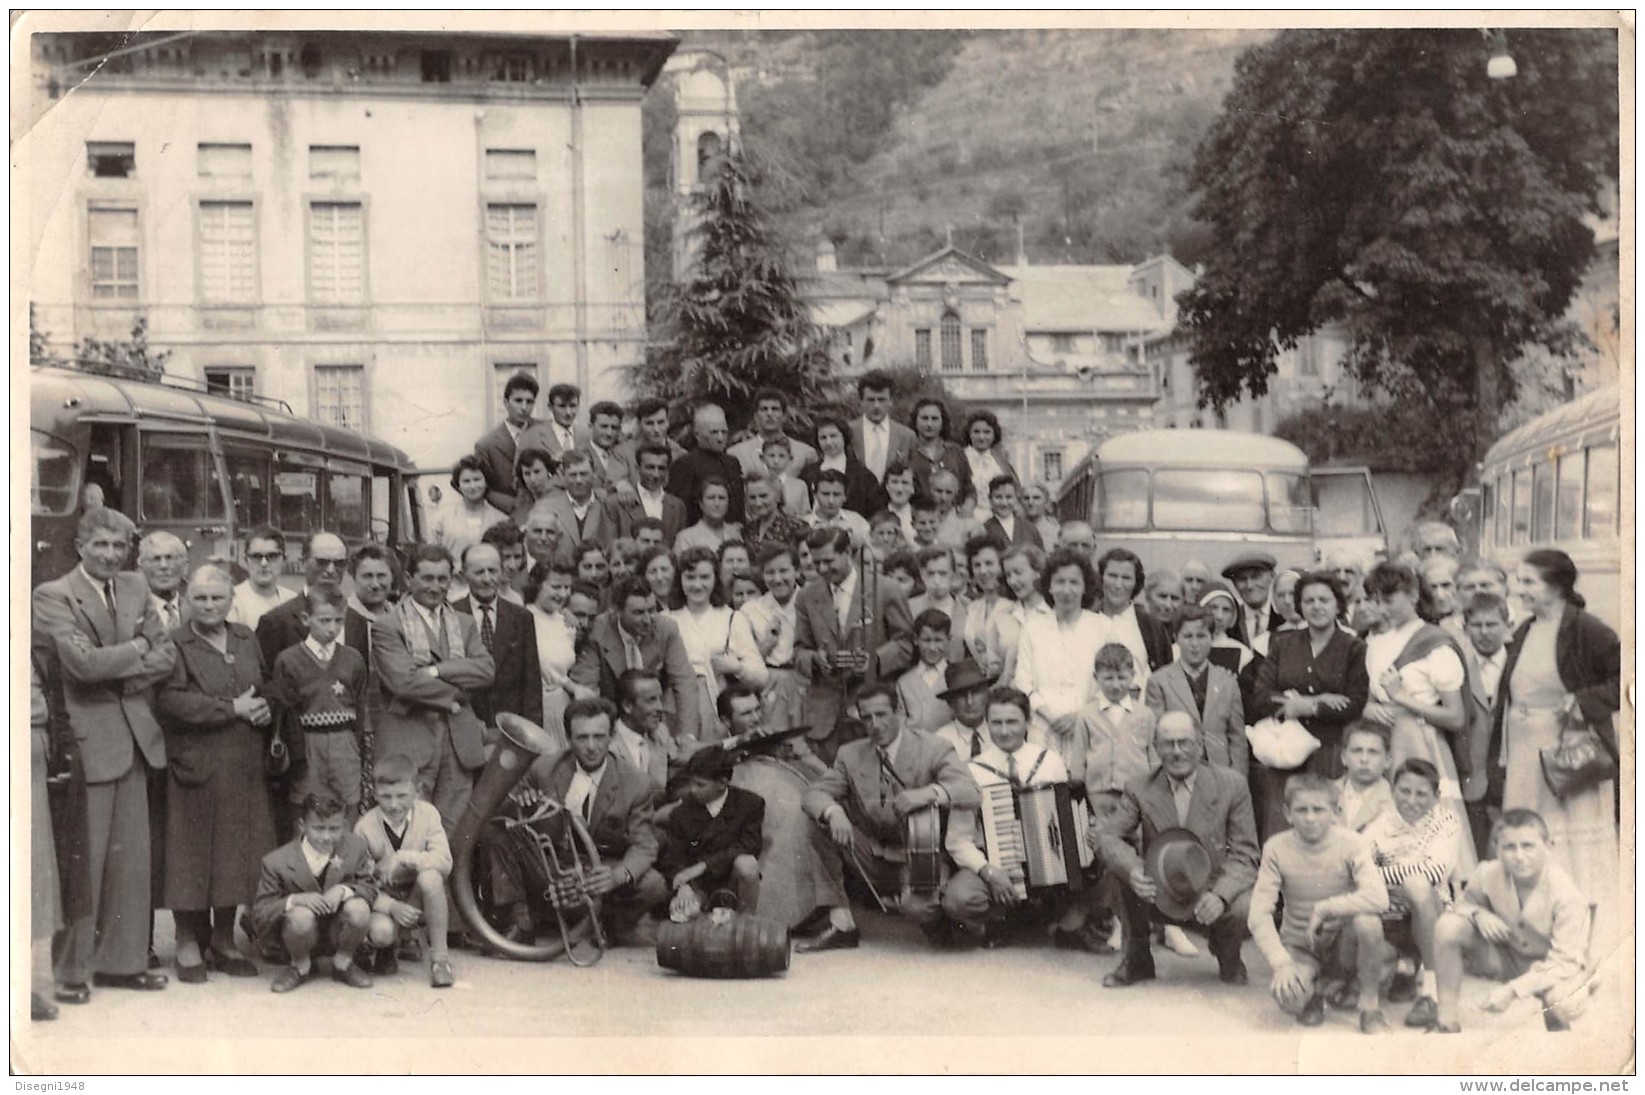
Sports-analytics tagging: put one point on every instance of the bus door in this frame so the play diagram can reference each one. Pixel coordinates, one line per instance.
(250, 468)
(1347, 515)
(346, 502)
(297, 482)
(181, 488)
(54, 494)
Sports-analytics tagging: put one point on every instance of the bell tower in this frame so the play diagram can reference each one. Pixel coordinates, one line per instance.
(704, 130)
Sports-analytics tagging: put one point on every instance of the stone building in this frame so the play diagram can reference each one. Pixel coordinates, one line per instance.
(374, 226)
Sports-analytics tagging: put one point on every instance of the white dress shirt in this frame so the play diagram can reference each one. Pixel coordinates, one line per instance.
(250, 606)
(843, 594)
(1490, 673)
(652, 503)
(876, 443)
(638, 747)
(964, 837)
(584, 786)
(1054, 662)
(322, 654)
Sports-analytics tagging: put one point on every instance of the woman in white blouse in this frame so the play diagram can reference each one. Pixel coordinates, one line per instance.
(981, 630)
(463, 519)
(986, 460)
(1024, 565)
(719, 641)
(1057, 651)
(1417, 679)
(546, 593)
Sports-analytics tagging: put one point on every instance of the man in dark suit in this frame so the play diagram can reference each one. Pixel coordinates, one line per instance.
(1214, 805)
(555, 434)
(708, 460)
(878, 441)
(711, 840)
(507, 632)
(632, 636)
(112, 648)
(578, 514)
(831, 649)
(431, 661)
(616, 803)
(1006, 525)
(1252, 573)
(498, 448)
(650, 497)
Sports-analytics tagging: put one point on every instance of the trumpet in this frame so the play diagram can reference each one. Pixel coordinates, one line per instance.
(522, 743)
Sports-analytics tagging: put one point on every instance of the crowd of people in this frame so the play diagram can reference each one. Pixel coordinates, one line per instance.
(788, 678)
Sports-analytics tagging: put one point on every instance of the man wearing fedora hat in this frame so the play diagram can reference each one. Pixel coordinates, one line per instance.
(1252, 573)
(967, 697)
(1199, 852)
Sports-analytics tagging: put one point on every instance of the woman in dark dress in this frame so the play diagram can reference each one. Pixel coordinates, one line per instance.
(219, 820)
(1316, 675)
(933, 451)
(863, 493)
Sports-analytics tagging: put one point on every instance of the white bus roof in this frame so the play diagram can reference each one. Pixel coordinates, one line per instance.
(1201, 448)
(1595, 411)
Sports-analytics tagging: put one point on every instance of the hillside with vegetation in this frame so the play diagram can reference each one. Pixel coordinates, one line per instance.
(895, 138)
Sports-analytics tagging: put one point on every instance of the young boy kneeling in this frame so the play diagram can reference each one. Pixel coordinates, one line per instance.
(1327, 876)
(1521, 921)
(413, 857)
(316, 892)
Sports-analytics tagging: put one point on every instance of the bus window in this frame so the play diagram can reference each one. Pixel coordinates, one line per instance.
(1122, 499)
(248, 486)
(296, 499)
(1504, 503)
(53, 488)
(1208, 500)
(1600, 517)
(1290, 502)
(179, 479)
(345, 505)
(1568, 519)
(1522, 505)
(1542, 514)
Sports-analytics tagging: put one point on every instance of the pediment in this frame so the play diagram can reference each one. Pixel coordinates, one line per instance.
(949, 266)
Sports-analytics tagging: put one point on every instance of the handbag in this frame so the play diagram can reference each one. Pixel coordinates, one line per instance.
(1281, 743)
(277, 756)
(1580, 762)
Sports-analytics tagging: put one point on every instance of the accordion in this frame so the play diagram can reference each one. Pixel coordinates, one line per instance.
(1036, 835)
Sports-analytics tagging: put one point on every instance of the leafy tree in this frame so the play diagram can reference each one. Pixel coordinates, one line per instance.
(737, 324)
(131, 356)
(1381, 181)
(39, 342)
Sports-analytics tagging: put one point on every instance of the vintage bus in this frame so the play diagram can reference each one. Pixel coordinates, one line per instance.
(1556, 482)
(204, 466)
(1175, 495)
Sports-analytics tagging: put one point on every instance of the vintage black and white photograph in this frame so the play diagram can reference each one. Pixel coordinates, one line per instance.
(809, 542)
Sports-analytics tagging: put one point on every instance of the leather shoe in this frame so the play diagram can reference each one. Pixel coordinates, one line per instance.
(154, 960)
(41, 1009)
(440, 975)
(813, 924)
(1424, 1013)
(70, 993)
(1313, 1012)
(385, 963)
(1080, 939)
(141, 982)
(234, 965)
(832, 939)
(290, 978)
(1373, 1022)
(1233, 972)
(1402, 989)
(1126, 974)
(354, 977)
(194, 974)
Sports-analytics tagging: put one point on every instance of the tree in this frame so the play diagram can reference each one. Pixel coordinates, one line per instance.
(738, 323)
(1381, 182)
(39, 342)
(131, 356)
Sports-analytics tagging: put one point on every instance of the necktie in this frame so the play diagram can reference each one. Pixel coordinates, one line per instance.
(841, 604)
(1011, 770)
(440, 631)
(486, 633)
(631, 650)
(108, 592)
(1182, 795)
(168, 611)
(976, 743)
(588, 805)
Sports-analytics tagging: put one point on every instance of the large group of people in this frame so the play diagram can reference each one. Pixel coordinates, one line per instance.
(788, 678)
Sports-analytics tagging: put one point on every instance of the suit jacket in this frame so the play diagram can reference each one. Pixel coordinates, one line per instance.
(542, 435)
(856, 784)
(617, 468)
(901, 443)
(1274, 622)
(1219, 813)
(516, 685)
(620, 819)
(921, 707)
(1221, 725)
(425, 845)
(1024, 532)
(863, 493)
(627, 511)
(419, 706)
(1555, 910)
(106, 684)
(282, 627)
(602, 659)
(1156, 639)
(656, 764)
(890, 643)
(496, 451)
(286, 872)
(691, 835)
(599, 524)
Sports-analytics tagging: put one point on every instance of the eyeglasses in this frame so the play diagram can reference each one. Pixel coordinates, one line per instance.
(264, 556)
(1175, 746)
(329, 564)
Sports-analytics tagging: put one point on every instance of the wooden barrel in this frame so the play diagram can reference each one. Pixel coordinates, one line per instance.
(744, 946)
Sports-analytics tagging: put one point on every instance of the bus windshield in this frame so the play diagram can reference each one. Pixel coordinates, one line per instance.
(1208, 500)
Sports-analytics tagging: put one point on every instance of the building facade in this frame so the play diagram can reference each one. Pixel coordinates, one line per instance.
(375, 227)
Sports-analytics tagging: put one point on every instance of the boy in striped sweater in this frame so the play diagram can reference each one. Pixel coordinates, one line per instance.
(321, 682)
(1334, 896)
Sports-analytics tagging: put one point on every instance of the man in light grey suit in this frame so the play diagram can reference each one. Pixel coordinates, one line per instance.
(113, 648)
(879, 442)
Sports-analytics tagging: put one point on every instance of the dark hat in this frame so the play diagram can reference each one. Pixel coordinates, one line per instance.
(963, 676)
(1249, 560)
(711, 764)
(1181, 869)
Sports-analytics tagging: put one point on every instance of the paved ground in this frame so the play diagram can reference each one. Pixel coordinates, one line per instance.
(890, 1004)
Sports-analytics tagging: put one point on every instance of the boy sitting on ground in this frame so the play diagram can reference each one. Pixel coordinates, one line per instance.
(711, 841)
(408, 844)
